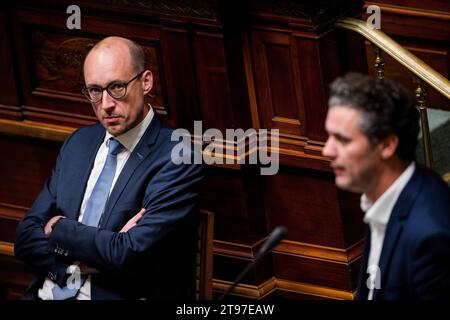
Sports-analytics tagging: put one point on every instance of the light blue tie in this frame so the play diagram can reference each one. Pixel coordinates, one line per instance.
(97, 200)
(95, 206)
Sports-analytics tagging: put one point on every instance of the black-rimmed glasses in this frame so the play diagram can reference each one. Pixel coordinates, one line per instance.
(115, 89)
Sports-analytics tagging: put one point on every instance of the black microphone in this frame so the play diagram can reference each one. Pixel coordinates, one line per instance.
(274, 238)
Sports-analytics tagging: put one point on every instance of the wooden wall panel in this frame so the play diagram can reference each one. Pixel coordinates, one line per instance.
(214, 94)
(240, 211)
(178, 69)
(277, 85)
(23, 173)
(9, 104)
(292, 71)
(14, 277)
(316, 74)
(429, 6)
(351, 215)
(232, 266)
(306, 202)
(24, 170)
(321, 273)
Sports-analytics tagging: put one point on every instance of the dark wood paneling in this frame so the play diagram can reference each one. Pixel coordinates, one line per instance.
(292, 72)
(10, 216)
(239, 215)
(351, 51)
(429, 5)
(352, 216)
(321, 273)
(232, 266)
(283, 295)
(24, 170)
(179, 73)
(278, 86)
(306, 202)
(14, 277)
(8, 228)
(9, 103)
(212, 73)
(315, 77)
(313, 17)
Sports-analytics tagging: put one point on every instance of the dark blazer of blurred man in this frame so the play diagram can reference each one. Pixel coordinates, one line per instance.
(373, 127)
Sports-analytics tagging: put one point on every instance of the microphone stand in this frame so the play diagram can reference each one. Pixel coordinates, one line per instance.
(274, 238)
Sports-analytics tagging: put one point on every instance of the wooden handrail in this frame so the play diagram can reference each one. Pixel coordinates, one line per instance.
(400, 54)
(33, 129)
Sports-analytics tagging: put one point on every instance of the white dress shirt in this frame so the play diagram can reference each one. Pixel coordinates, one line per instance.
(129, 140)
(377, 217)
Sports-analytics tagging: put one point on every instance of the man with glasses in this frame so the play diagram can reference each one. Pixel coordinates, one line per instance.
(117, 218)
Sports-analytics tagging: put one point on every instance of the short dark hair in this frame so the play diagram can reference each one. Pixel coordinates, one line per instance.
(387, 108)
(137, 56)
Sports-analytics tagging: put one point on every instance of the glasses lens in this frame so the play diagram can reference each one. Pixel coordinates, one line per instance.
(117, 90)
(93, 93)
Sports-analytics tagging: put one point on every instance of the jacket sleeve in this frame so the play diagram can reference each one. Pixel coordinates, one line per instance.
(31, 244)
(431, 268)
(170, 198)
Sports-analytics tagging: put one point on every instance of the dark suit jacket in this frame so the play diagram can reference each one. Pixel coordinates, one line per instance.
(415, 258)
(156, 258)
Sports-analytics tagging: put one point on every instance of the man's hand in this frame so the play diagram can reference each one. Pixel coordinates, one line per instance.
(49, 226)
(86, 269)
(133, 221)
(130, 224)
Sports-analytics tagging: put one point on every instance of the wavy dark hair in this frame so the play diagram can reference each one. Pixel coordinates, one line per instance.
(387, 108)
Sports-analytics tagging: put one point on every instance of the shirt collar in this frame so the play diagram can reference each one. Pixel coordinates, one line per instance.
(131, 138)
(380, 211)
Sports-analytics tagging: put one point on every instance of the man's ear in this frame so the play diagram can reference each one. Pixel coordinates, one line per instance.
(389, 146)
(147, 84)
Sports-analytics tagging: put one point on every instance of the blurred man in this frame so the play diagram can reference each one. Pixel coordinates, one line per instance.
(117, 218)
(373, 127)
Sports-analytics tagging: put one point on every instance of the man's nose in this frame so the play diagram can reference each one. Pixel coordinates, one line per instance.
(329, 150)
(108, 102)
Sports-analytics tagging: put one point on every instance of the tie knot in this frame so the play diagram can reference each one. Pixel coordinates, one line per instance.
(114, 146)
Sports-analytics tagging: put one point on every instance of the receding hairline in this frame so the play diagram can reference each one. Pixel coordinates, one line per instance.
(136, 53)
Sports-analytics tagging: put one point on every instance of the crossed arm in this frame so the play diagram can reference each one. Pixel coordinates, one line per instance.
(130, 223)
(169, 198)
(83, 267)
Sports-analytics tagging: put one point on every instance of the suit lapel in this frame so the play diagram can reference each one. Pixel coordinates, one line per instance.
(393, 231)
(86, 160)
(394, 228)
(139, 153)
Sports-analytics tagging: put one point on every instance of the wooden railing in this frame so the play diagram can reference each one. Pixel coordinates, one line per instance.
(420, 70)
